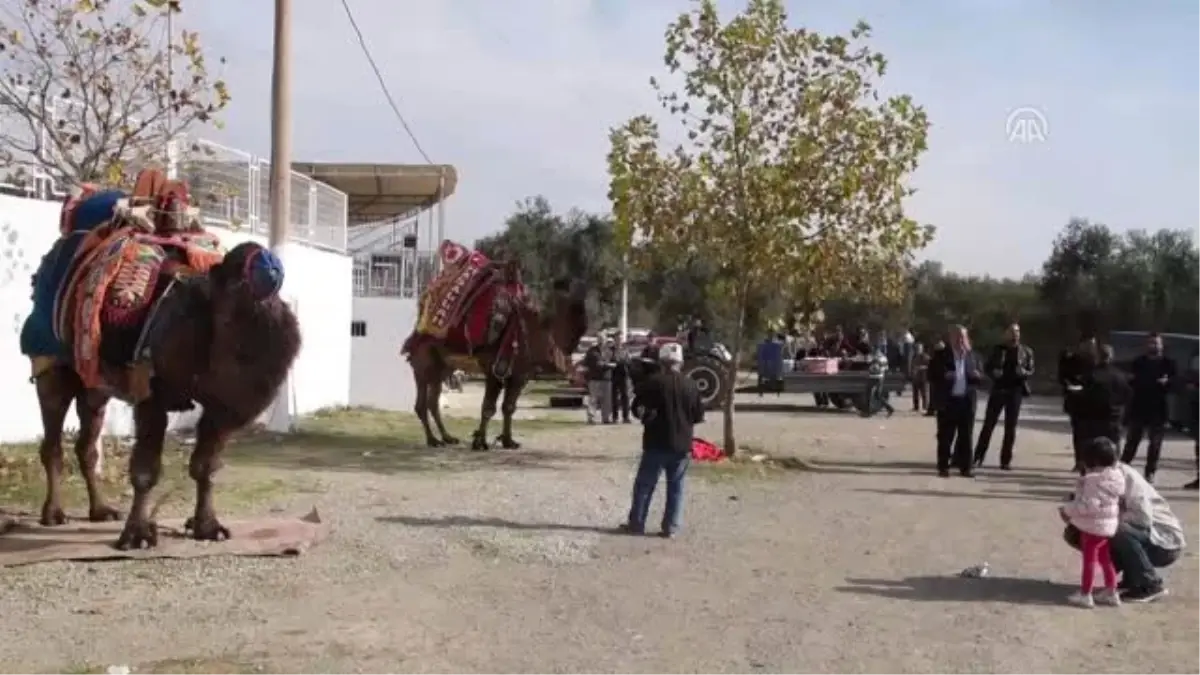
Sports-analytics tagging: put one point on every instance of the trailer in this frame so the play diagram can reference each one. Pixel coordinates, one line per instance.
(849, 386)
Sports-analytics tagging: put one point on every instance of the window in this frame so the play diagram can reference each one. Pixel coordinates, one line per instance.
(358, 329)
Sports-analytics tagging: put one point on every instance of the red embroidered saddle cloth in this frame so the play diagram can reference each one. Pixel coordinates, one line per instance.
(460, 304)
(114, 281)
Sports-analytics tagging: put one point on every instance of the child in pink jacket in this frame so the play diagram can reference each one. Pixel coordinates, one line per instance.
(1095, 509)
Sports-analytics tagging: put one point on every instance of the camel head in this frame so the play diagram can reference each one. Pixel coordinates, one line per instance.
(255, 335)
(249, 273)
(553, 335)
(566, 322)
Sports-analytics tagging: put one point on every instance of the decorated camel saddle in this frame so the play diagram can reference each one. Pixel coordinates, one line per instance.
(471, 305)
(98, 291)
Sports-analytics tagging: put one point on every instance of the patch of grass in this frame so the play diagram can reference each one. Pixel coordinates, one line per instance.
(749, 465)
(23, 481)
(365, 439)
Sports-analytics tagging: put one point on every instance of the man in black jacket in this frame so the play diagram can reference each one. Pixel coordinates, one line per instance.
(598, 367)
(1192, 383)
(960, 372)
(669, 407)
(1073, 365)
(620, 382)
(1098, 401)
(936, 385)
(1009, 365)
(1152, 374)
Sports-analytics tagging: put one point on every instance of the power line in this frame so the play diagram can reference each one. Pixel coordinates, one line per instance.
(362, 42)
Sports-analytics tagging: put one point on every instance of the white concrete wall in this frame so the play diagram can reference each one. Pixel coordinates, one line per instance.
(317, 283)
(379, 376)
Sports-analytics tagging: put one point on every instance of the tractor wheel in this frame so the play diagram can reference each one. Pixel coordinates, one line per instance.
(711, 379)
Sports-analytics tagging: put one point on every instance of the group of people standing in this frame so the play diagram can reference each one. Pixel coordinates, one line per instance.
(1102, 400)
(1115, 518)
(607, 369)
(947, 381)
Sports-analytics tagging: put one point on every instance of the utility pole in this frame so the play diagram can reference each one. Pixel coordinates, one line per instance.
(172, 146)
(281, 127)
(281, 178)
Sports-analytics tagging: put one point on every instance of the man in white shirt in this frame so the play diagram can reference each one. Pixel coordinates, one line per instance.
(960, 370)
(1149, 537)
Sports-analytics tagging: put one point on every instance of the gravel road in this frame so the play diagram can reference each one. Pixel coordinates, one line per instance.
(509, 566)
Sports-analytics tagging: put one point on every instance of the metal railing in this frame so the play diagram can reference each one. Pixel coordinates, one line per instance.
(230, 187)
(402, 273)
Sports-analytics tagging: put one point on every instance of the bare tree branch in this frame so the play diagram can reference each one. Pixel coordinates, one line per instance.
(86, 92)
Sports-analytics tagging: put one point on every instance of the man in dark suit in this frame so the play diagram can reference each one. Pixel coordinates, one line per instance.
(620, 381)
(1073, 365)
(1146, 415)
(1098, 402)
(1009, 365)
(961, 371)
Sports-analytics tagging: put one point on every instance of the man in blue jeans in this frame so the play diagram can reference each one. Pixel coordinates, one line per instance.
(1148, 537)
(669, 406)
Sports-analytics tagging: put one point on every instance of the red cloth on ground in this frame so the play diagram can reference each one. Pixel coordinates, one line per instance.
(703, 451)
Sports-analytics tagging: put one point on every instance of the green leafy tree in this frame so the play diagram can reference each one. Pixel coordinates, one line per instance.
(92, 89)
(552, 246)
(792, 171)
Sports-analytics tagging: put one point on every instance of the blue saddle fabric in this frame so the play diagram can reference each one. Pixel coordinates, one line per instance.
(37, 334)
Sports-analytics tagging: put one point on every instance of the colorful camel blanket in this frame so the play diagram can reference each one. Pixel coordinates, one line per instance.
(469, 304)
(102, 272)
(445, 302)
(116, 285)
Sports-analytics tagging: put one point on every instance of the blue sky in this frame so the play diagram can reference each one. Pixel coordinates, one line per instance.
(519, 96)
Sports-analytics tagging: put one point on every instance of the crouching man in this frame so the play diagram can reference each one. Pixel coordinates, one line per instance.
(1148, 537)
(669, 406)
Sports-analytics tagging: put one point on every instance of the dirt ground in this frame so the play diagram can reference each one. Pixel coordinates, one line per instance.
(504, 562)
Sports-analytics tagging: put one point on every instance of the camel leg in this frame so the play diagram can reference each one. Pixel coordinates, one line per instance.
(421, 407)
(145, 468)
(512, 392)
(90, 407)
(55, 390)
(425, 371)
(487, 411)
(435, 410)
(205, 463)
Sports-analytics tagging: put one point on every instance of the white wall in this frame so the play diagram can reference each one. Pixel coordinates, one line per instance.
(317, 283)
(379, 376)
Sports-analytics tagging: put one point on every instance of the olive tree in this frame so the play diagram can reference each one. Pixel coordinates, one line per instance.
(90, 89)
(789, 174)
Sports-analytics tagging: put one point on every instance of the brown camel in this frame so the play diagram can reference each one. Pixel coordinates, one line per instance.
(176, 325)
(219, 344)
(545, 343)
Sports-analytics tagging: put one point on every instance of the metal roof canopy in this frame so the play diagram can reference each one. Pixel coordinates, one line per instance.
(379, 192)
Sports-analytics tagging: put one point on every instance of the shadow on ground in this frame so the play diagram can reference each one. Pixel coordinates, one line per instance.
(1030, 493)
(1010, 590)
(909, 467)
(382, 442)
(1053, 425)
(766, 404)
(854, 467)
(499, 523)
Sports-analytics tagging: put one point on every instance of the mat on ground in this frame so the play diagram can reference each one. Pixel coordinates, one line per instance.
(24, 542)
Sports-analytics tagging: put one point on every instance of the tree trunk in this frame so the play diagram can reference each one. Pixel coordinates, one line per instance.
(730, 440)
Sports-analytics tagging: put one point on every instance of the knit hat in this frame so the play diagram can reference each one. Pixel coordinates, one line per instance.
(262, 270)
